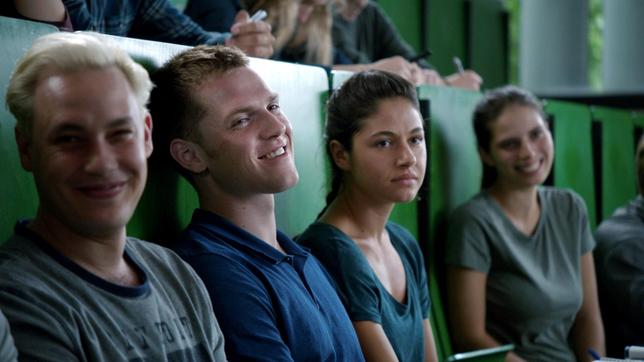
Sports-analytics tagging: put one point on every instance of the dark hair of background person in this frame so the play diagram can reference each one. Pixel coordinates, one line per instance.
(488, 110)
(357, 99)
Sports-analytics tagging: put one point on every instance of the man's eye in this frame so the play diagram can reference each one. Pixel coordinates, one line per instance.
(273, 107)
(240, 123)
(123, 133)
(67, 139)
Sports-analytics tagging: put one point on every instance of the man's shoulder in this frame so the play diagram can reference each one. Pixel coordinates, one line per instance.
(21, 258)
(624, 224)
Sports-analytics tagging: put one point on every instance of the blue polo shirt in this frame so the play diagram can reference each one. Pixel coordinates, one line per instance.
(270, 306)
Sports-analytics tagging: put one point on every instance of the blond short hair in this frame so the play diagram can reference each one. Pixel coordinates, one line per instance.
(68, 52)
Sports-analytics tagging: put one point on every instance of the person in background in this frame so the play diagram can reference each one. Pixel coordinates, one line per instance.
(219, 15)
(214, 15)
(302, 28)
(519, 255)
(148, 19)
(74, 286)
(8, 351)
(620, 271)
(223, 127)
(363, 32)
(51, 12)
(376, 143)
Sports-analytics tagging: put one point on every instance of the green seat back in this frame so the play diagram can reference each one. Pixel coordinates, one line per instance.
(618, 183)
(573, 164)
(454, 177)
(18, 199)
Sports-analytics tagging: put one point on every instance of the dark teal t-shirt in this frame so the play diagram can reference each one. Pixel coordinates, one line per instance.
(361, 292)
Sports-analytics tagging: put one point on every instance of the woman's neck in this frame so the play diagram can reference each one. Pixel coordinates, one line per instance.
(357, 216)
(521, 206)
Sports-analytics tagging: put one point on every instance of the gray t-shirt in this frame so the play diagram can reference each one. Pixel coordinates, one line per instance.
(59, 311)
(8, 351)
(534, 283)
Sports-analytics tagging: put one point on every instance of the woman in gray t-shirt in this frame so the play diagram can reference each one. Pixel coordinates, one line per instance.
(519, 255)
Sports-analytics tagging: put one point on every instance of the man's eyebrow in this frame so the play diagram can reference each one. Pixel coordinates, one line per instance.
(118, 122)
(75, 127)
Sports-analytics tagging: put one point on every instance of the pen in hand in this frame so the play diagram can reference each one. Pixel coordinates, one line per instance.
(458, 65)
(259, 15)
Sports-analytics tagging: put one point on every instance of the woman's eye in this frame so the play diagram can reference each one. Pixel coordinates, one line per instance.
(536, 133)
(417, 140)
(510, 145)
(383, 143)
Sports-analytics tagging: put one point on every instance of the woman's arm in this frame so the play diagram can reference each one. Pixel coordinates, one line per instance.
(430, 346)
(374, 342)
(588, 331)
(43, 10)
(466, 298)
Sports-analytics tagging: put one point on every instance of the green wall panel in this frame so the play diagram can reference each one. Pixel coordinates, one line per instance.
(573, 164)
(446, 33)
(455, 168)
(407, 17)
(618, 174)
(488, 44)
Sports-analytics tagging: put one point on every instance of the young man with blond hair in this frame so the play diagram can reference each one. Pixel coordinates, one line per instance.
(74, 286)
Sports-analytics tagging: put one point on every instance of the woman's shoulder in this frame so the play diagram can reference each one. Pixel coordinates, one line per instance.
(478, 206)
(564, 199)
(325, 239)
(407, 243)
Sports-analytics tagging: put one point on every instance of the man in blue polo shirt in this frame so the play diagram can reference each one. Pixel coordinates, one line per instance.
(224, 128)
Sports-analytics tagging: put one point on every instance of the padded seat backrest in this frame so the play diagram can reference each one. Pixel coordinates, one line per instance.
(18, 198)
(573, 164)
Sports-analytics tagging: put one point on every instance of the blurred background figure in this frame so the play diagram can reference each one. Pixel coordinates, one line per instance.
(367, 37)
(620, 269)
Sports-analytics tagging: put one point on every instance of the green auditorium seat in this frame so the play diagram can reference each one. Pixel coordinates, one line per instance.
(18, 198)
(573, 164)
(618, 183)
(454, 172)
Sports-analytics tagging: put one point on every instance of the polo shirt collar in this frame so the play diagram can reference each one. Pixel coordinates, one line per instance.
(242, 239)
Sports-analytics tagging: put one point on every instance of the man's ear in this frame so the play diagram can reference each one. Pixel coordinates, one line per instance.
(147, 134)
(189, 155)
(24, 149)
(485, 157)
(340, 155)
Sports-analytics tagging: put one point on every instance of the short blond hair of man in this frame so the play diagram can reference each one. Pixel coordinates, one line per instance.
(68, 53)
